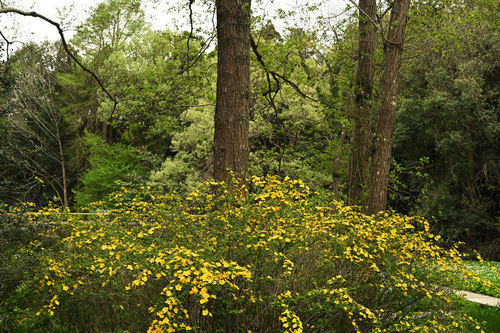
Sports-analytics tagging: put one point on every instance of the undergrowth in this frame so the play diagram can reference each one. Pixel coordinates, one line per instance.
(267, 256)
(486, 271)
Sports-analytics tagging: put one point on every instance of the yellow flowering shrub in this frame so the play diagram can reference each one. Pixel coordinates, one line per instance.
(266, 255)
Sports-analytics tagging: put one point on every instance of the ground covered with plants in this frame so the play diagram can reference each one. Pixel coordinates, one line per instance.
(487, 271)
(265, 255)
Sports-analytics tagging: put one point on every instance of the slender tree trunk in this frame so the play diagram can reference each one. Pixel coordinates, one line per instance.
(63, 170)
(233, 88)
(381, 161)
(337, 159)
(336, 165)
(359, 161)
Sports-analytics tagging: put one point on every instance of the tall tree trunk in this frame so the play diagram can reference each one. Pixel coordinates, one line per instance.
(381, 161)
(359, 161)
(233, 88)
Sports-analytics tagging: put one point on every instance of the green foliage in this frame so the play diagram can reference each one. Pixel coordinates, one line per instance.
(15, 232)
(267, 254)
(488, 271)
(18, 265)
(32, 128)
(445, 165)
(450, 114)
(110, 25)
(297, 113)
(408, 184)
(7, 78)
(193, 148)
(488, 316)
(111, 167)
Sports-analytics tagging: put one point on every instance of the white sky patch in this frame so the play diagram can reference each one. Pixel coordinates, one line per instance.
(26, 29)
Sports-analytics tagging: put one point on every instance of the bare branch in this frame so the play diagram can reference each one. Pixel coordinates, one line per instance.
(381, 16)
(65, 46)
(193, 105)
(204, 46)
(8, 42)
(275, 74)
(269, 84)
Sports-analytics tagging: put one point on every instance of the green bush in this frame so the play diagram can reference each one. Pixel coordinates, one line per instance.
(111, 167)
(22, 242)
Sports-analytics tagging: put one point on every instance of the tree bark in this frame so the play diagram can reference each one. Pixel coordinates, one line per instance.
(233, 88)
(381, 161)
(359, 161)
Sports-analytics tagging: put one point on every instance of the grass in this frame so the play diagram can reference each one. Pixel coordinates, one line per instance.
(487, 271)
(488, 316)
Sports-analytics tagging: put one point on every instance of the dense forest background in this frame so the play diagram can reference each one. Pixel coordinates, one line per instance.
(64, 140)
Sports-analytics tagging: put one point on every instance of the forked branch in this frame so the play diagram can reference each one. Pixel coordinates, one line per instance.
(274, 74)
